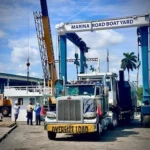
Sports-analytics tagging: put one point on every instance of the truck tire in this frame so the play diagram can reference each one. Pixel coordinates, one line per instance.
(114, 122)
(5, 111)
(51, 135)
(141, 120)
(146, 121)
(96, 135)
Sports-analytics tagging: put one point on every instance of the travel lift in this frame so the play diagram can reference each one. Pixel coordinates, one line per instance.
(67, 30)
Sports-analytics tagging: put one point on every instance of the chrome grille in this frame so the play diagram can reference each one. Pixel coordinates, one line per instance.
(69, 110)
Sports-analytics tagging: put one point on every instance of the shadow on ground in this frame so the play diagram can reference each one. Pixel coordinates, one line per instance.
(123, 130)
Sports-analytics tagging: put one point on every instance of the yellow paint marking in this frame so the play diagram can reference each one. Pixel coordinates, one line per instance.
(71, 128)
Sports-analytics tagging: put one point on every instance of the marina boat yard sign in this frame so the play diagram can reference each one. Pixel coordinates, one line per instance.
(133, 21)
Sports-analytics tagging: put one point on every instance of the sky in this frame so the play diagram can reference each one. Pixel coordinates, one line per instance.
(18, 39)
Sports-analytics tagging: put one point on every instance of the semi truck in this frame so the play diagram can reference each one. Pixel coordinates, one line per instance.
(92, 104)
(122, 96)
(83, 109)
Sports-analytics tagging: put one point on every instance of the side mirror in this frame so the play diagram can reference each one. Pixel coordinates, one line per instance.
(63, 92)
(106, 89)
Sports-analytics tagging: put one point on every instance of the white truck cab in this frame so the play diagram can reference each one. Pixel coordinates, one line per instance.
(83, 109)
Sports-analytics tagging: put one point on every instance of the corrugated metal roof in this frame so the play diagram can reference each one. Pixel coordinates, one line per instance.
(19, 77)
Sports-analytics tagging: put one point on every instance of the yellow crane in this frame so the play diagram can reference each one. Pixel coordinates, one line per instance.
(43, 29)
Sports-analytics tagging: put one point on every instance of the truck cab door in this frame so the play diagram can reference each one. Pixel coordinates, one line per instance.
(99, 99)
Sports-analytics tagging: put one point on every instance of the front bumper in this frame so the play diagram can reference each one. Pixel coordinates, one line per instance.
(71, 128)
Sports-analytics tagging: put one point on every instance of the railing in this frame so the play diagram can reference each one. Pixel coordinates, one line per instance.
(30, 89)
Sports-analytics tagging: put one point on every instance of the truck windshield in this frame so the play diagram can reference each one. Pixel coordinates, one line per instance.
(80, 90)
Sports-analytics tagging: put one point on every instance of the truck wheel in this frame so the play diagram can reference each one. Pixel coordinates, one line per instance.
(5, 111)
(96, 135)
(51, 135)
(141, 120)
(146, 121)
(114, 122)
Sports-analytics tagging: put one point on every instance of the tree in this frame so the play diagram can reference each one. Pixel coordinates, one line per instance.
(140, 93)
(129, 62)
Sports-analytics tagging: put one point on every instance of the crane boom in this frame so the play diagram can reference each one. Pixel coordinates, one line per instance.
(46, 38)
(42, 47)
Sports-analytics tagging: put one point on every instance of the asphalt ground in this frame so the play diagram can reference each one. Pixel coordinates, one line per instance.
(125, 137)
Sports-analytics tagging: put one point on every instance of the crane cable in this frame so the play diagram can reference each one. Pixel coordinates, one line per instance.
(28, 62)
(28, 35)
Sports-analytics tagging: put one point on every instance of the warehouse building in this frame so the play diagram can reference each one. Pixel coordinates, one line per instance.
(17, 80)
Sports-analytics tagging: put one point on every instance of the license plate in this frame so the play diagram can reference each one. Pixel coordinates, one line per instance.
(85, 128)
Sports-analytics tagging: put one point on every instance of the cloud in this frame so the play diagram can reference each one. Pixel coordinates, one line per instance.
(133, 6)
(24, 42)
(16, 10)
(2, 67)
(102, 39)
(115, 41)
(20, 51)
(118, 8)
(98, 43)
(14, 17)
(2, 34)
(20, 55)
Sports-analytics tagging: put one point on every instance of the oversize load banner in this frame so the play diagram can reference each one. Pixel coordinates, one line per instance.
(82, 128)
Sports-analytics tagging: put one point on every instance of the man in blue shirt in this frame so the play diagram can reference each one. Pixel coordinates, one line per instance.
(37, 111)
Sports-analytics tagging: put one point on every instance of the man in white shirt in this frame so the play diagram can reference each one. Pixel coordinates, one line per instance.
(16, 110)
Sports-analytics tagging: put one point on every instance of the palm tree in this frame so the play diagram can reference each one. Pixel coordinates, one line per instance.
(129, 62)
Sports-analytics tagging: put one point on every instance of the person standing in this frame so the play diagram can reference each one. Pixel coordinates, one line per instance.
(16, 110)
(29, 113)
(42, 113)
(37, 111)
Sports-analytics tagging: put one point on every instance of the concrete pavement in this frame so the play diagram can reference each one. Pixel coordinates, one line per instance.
(6, 127)
(125, 137)
(4, 131)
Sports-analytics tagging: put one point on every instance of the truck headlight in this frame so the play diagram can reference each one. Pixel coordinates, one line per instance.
(51, 115)
(89, 115)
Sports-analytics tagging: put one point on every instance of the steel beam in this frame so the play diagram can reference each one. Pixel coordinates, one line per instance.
(63, 57)
(144, 53)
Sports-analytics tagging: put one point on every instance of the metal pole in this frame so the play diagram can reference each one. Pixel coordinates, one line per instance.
(98, 64)
(149, 53)
(138, 69)
(28, 65)
(107, 60)
(59, 56)
(77, 71)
